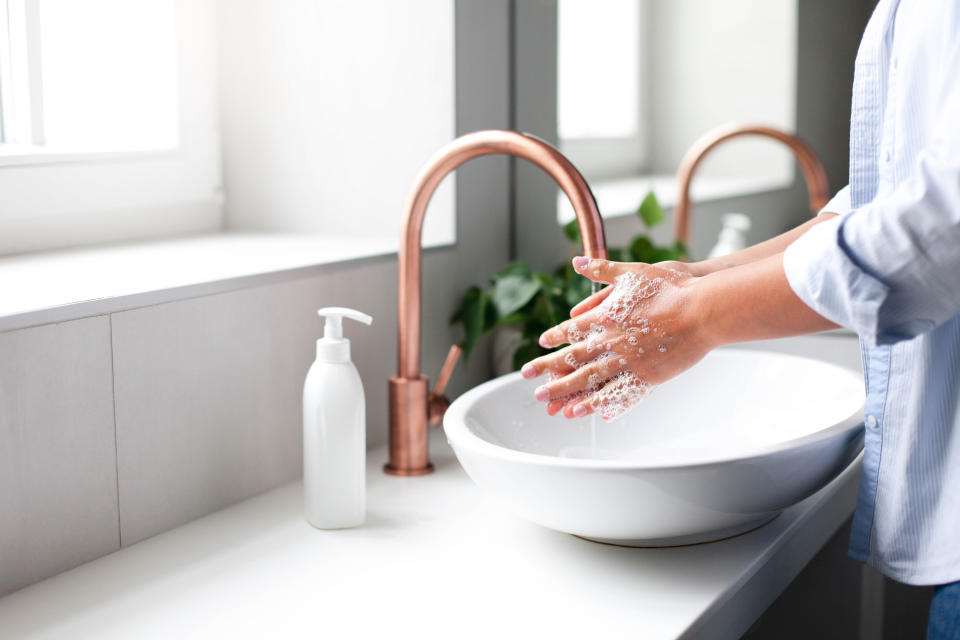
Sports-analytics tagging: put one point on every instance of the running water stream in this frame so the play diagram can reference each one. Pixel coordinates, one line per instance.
(594, 419)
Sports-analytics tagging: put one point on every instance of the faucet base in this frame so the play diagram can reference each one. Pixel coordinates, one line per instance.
(408, 472)
(409, 455)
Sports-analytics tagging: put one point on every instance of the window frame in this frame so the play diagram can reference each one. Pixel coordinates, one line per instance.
(21, 91)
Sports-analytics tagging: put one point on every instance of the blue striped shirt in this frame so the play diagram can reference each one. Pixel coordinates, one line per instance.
(889, 268)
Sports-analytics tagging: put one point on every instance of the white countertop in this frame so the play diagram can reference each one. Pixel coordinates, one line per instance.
(436, 559)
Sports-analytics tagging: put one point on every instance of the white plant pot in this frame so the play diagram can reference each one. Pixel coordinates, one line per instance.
(505, 343)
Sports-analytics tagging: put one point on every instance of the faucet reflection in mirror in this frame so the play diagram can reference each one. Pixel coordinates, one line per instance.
(818, 189)
(412, 408)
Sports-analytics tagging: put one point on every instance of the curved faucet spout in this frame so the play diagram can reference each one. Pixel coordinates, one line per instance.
(408, 395)
(810, 165)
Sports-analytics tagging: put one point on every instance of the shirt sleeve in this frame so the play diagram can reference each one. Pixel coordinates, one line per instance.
(839, 204)
(890, 270)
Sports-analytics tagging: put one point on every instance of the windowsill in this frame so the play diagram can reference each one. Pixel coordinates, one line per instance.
(54, 286)
(621, 197)
(12, 155)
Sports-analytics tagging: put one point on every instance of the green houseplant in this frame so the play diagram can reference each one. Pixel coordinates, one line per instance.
(532, 302)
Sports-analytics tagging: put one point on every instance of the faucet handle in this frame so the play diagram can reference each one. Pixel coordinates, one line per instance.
(436, 402)
(447, 369)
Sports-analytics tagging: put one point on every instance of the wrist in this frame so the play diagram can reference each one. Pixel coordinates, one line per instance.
(706, 267)
(699, 313)
(698, 269)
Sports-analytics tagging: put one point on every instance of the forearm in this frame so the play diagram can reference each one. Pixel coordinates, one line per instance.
(757, 252)
(752, 301)
(655, 323)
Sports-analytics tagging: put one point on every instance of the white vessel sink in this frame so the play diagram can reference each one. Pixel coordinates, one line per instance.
(717, 451)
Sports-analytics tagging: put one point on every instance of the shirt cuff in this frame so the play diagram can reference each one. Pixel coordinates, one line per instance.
(839, 203)
(822, 274)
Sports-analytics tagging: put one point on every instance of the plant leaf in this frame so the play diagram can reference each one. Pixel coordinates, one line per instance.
(572, 231)
(576, 293)
(490, 317)
(511, 292)
(547, 284)
(515, 318)
(526, 351)
(473, 311)
(543, 313)
(650, 211)
(642, 249)
(616, 254)
(516, 268)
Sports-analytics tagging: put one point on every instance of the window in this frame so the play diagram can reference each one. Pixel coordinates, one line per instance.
(109, 121)
(90, 76)
(601, 114)
(142, 114)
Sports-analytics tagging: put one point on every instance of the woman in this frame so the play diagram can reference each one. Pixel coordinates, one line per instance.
(883, 259)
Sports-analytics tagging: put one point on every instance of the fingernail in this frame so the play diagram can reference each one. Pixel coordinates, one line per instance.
(528, 371)
(543, 341)
(579, 411)
(580, 262)
(542, 394)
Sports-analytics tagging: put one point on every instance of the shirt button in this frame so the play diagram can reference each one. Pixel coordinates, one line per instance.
(871, 422)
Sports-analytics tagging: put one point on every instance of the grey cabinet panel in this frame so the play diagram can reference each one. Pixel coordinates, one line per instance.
(58, 482)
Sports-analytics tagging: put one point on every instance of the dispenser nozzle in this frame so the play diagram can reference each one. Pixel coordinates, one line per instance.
(333, 327)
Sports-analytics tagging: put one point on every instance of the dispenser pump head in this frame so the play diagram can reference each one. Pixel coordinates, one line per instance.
(333, 347)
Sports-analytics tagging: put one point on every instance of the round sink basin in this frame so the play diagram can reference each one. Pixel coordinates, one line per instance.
(715, 452)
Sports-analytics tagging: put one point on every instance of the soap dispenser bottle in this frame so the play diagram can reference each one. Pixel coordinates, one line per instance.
(334, 430)
(733, 235)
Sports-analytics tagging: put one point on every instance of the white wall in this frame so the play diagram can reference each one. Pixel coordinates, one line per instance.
(329, 109)
(716, 62)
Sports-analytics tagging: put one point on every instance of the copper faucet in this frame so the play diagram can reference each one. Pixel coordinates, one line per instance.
(810, 165)
(412, 408)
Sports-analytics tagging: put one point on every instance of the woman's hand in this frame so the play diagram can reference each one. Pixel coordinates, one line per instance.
(623, 340)
(689, 268)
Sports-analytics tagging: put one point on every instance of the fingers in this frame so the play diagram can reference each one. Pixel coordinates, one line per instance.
(601, 270)
(562, 362)
(582, 407)
(568, 406)
(571, 331)
(590, 302)
(555, 406)
(557, 335)
(586, 378)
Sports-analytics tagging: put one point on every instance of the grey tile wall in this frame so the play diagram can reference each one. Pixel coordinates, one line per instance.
(58, 475)
(187, 407)
(208, 396)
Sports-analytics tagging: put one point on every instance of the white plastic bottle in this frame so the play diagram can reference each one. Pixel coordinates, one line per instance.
(733, 235)
(334, 430)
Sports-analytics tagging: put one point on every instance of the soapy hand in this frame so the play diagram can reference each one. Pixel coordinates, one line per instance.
(624, 340)
(689, 268)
